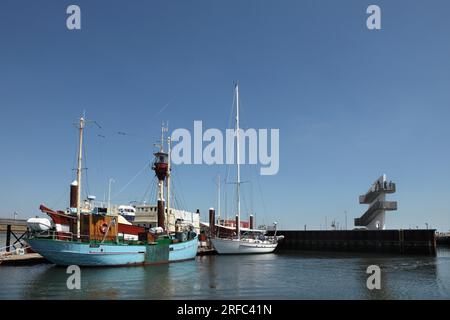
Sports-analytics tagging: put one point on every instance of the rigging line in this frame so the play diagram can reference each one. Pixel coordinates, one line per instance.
(74, 165)
(88, 191)
(233, 115)
(173, 196)
(183, 201)
(102, 172)
(261, 195)
(59, 199)
(226, 182)
(246, 202)
(175, 199)
(223, 204)
(251, 197)
(177, 182)
(132, 180)
(179, 205)
(148, 198)
(243, 115)
(254, 173)
(217, 182)
(154, 192)
(166, 105)
(225, 197)
(230, 119)
(179, 199)
(178, 196)
(227, 166)
(147, 190)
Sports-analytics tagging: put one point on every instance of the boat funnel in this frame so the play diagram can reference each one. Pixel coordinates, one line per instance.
(161, 215)
(212, 222)
(73, 194)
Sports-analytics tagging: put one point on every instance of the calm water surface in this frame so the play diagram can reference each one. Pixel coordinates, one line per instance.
(299, 275)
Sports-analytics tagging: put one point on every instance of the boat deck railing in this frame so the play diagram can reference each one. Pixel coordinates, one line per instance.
(52, 234)
(264, 238)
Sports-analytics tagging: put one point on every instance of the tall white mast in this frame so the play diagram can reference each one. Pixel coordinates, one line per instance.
(238, 183)
(218, 197)
(80, 155)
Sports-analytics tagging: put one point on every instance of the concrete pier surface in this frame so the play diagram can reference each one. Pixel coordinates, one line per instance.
(378, 241)
(25, 259)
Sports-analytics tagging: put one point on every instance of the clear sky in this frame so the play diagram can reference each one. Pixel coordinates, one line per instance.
(351, 104)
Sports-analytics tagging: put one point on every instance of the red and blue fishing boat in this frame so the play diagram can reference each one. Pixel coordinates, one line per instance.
(89, 235)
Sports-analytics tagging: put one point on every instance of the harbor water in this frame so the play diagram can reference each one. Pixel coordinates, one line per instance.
(299, 275)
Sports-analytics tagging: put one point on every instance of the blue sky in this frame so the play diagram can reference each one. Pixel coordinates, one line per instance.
(350, 103)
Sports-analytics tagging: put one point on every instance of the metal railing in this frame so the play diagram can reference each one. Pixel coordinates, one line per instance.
(372, 211)
(375, 191)
(53, 234)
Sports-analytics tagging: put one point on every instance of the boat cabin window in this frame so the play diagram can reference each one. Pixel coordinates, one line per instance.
(102, 210)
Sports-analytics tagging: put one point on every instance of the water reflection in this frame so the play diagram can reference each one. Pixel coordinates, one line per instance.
(299, 275)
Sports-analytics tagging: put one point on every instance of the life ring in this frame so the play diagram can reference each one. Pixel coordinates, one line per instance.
(103, 228)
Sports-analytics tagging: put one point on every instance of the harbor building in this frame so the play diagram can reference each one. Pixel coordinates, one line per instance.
(147, 217)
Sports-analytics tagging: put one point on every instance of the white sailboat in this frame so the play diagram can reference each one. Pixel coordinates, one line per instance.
(243, 244)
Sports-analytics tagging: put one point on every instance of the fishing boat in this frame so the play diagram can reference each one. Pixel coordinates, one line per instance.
(255, 241)
(90, 235)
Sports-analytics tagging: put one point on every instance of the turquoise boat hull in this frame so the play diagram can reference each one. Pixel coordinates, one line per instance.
(185, 250)
(66, 253)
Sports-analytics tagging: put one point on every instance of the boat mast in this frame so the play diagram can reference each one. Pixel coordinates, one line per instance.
(161, 183)
(80, 155)
(238, 183)
(160, 166)
(168, 183)
(218, 197)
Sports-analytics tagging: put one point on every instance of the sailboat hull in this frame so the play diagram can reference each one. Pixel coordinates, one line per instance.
(234, 246)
